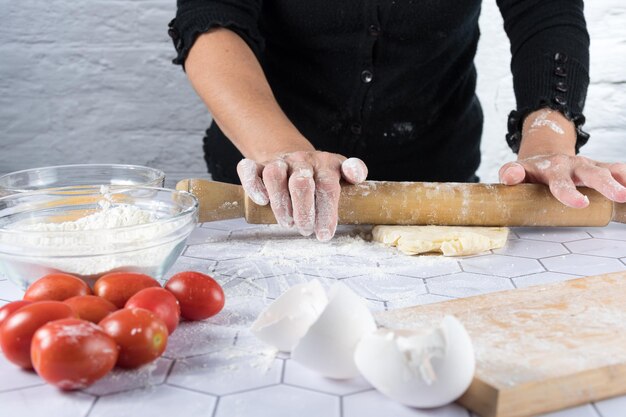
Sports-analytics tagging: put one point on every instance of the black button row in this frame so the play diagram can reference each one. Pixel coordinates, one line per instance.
(560, 71)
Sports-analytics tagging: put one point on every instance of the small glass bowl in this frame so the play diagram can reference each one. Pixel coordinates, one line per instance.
(79, 175)
(27, 252)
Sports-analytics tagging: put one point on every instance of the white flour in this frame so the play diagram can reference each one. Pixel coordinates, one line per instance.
(97, 243)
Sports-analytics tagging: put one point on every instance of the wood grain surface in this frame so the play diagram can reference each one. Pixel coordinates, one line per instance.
(538, 349)
(453, 204)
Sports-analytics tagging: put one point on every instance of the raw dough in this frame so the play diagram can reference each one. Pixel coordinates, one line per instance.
(449, 240)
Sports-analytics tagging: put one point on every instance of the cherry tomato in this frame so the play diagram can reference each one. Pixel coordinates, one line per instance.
(199, 295)
(118, 287)
(140, 335)
(161, 302)
(17, 331)
(91, 307)
(72, 354)
(56, 287)
(8, 309)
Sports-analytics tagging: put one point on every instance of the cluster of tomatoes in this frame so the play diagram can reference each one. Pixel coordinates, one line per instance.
(72, 336)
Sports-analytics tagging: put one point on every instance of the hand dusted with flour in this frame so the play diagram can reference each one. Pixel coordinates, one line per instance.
(547, 156)
(302, 188)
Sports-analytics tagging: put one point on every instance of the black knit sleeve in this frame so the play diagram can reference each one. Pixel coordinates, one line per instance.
(550, 60)
(194, 17)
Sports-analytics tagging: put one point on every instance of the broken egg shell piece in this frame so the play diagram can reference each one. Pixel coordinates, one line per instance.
(419, 369)
(288, 318)
(328, 346)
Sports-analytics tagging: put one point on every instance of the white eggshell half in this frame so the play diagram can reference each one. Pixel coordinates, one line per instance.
(288, 318)
(328, 347)
(422, 370)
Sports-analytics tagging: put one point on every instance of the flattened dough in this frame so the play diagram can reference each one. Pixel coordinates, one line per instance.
(449, 240)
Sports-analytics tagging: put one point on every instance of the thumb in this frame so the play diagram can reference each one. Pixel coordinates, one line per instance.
(512, 173)
(354, 170)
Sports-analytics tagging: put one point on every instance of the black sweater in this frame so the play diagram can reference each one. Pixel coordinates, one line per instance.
(393, 81)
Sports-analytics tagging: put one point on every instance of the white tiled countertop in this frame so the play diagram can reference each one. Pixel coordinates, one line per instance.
(216, 368)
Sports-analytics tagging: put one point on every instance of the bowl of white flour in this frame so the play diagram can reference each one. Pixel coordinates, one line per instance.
(89, 231)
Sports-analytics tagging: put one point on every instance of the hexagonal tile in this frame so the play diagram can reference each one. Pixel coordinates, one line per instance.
(273, 287)
(531, 249)
(202, 235)
(222, 251)
(616, 231)
(386, 287)
(226, 371)
(199, 337)
(576, 264)
(254, 267)
(337, 267)
(541, 278)
(120, 380)
(157, 401)
(501, 265)
(599, 247)
(13, 377)
(422, 266)
(552, 234)
(298, 375)
(465, 284)
(9, 291)
(45, 401)
(417, 300)
(613, 407)
(374, 404)
(239, 312)
(279, 401)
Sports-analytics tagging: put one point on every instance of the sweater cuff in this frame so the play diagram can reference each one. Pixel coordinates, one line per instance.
(186, 27)
(555, 81)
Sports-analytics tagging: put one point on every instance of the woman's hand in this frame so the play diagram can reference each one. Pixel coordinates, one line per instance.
(547, 156)
(302, 188)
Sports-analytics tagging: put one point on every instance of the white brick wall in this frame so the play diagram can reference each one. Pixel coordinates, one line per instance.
(91, 81)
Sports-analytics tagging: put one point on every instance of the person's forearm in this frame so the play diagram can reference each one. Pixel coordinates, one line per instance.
(227, 76)
(545, 132)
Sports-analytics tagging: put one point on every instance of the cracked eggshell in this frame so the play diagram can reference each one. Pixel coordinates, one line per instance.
(328, 347)
(419, 369)
(288, 318)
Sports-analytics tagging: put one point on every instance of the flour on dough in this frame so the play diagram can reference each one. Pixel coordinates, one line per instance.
(449, 240)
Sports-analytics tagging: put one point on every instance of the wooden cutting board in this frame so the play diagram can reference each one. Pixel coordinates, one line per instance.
(538, 349)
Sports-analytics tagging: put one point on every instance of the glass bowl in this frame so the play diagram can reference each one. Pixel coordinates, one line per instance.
(88, 231)
(78, 175)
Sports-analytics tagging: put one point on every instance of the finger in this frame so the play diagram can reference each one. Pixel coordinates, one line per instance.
(354, 170)
(302, 191)
(250, 176)
(512, 173)
(601, 179)
(275, 180)
(563, 188)
(618, 171)
(327, 191)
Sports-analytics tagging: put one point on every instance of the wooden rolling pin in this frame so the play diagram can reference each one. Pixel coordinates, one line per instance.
(452, 204)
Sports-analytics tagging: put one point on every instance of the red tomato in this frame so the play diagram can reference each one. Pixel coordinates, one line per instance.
(8, 309)
(17, 331)
(72, 353)
(140, 335)
(118, 287)
(199, 295)
(56, 287)
(91, 307)
(161, 302)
